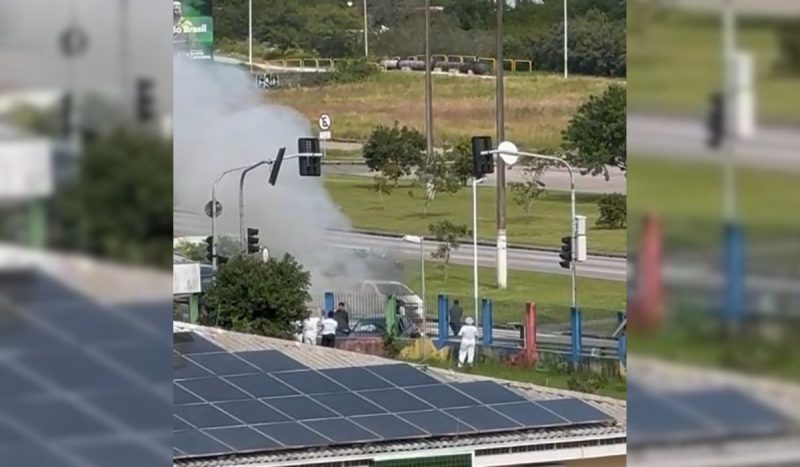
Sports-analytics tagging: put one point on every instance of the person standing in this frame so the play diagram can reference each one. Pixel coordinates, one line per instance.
(342, 320)
(469, 338)
(455, 317)
(310, 329)
(329, 331)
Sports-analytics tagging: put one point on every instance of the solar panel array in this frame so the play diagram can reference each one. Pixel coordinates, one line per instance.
(263, 400)
(701, 415)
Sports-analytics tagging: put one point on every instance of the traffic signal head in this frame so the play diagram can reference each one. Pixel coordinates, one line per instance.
(482, 164)
(566, 252)
(276, 166)
(308, 145)
(716, 120)
(310, 166)
(252, 240)
(210, 248)
(145, 101)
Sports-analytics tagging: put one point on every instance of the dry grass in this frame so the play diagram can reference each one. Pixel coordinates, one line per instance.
(538, 106)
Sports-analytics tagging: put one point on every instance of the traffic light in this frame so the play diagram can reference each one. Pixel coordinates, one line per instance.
(252, 240)
(66, 113)
(566, 252)
(145, 100)
(210, 249)
(716, 121)
(482, 164)
(310, 166)
(276, 166)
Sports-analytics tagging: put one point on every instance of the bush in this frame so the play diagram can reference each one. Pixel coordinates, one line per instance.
(587, 382)
(394, 151)
(789, 47)
(597, 46)
(613, 211)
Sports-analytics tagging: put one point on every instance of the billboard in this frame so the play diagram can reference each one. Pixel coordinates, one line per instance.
(193, 28)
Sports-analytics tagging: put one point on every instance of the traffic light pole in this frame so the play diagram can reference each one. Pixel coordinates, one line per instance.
(214, 213)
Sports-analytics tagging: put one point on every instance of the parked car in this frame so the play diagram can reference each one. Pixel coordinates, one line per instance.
(412, 304)
(375, 327)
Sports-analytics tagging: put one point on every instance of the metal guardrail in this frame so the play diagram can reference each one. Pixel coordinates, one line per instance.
(511, 64)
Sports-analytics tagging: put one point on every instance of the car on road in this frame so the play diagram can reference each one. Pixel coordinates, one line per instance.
(411, 304)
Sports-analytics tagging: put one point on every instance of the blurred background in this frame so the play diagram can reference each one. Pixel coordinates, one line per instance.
(85, 227)
(714, 234)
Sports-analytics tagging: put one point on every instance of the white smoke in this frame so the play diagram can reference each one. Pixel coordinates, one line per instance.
(223, 121)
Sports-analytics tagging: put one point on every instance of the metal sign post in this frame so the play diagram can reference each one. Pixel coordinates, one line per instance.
(324, 121)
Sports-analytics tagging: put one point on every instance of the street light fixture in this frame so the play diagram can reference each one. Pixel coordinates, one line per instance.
(419, 240)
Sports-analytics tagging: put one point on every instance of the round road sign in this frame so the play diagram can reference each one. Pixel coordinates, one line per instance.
(209, 212)
(324, 122)
(73, 41)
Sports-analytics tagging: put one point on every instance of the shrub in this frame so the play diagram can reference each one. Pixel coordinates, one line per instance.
(613, 211)
(789, 47)
(394, 151)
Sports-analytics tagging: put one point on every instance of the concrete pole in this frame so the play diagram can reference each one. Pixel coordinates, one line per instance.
(566, 52)
(366, 33)
(428, 83)
(475, 182)
(250, 34)
(502, 262)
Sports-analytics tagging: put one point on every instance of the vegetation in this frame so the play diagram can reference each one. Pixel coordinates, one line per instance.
(596, 136)
(789, 44)
(393, 151)
(449, 236)
(249, 295)
(613, 211)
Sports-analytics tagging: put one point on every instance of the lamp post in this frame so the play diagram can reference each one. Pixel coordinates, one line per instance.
(214, 213)
(566, 53)
(475, 182)
(250, 34)
(366, 35)
(419, 240)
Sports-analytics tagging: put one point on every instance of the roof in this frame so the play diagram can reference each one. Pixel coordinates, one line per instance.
(322, 358)
(781, 396)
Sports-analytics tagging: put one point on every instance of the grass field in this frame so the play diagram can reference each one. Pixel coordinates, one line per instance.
(547, 222)
(538, 106)
(675, 64)
(600, 299)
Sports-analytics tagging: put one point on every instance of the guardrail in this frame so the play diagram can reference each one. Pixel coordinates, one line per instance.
(510, 64)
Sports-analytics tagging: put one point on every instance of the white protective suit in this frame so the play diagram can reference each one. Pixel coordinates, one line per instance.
(310, 330)
(469, 337)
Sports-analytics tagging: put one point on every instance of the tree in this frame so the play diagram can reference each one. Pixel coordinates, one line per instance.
(789, 46)
(461, 157)
(382, 187)
(394, 151)
(436, 175)
(595, 137)
(525, 193)
(192, 251)
(613, 211)
(448, 234)
(249, 295)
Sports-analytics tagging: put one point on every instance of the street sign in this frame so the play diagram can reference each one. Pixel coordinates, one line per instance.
(73, 41)
(209, 212)
(324, 135)
(324, 122)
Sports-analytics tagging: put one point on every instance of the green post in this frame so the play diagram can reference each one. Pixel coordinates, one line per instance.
(391, 307)
(194, 308)
(37, 224)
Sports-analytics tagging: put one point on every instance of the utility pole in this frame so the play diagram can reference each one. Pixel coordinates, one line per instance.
(124, 52)
(502, 271)
(366, 32)
(428, 84)
(566, 52)
(250, 34)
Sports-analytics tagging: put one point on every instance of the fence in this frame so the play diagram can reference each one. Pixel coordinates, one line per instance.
(510, 64)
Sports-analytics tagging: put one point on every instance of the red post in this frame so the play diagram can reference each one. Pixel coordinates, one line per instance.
(647, 310)
(530, 333)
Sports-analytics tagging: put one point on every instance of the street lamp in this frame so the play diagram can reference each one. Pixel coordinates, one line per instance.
(419, 240)
(366, 34)
(475, 182)
(250, 34)
(566, 62)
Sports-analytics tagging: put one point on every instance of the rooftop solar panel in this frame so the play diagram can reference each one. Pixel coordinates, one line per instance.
(213, 389)
(340, 430)
(483, 419)
(242, 438)
(348, 404)
(576, 411)
(403, 375)
(309, 382)
(292, 434)
(356, 379)
(395, 400)
(119, 453)
(139, 410)
(437, 423)
(55, 418)
(178, 424)
(184, 369)
(488, 392)
(530, 414)
(189, 343)
(442, 396)
(252, 412)
(75, 371)
(205, 416)
(195, 443)
(145, 359)
(181, 396)
(271, 360)
(299, 407)
(389, 426)
(654, 419)
(261, 385)
(224, 364)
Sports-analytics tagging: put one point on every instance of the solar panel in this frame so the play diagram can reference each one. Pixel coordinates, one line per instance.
(576, 411)
(242, 438)
(184, 369)
(340, 430)
(483, 418)
(252, 412)
(182, 396)
(488, 392)
(292, 434)
(261, 385)
(389, 426)
(224, 364)
(299, 407)
(119, 453)
(403, 375)
(140, 410)
(395, 400)
(348, 404)
(530, 414)
(437, 423)
(189, 343)
(309, 382)
(271, 360)
(205, 416)
(195, 443)
(214, 389)
(356, 379)
(55, 418)
(178, 424)
(73, 370)
(654, 419)
(442, 396)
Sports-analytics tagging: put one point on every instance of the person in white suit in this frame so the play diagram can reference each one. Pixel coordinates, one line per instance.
(469, 337)
(310, 330)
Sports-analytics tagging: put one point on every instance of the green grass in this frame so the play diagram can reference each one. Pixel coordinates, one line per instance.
(343, 155)
(538, 106)
(540, 377)
(547, 222)
(599, 299)
(674, 64)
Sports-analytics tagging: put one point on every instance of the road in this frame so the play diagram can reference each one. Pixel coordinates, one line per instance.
(685, 139)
